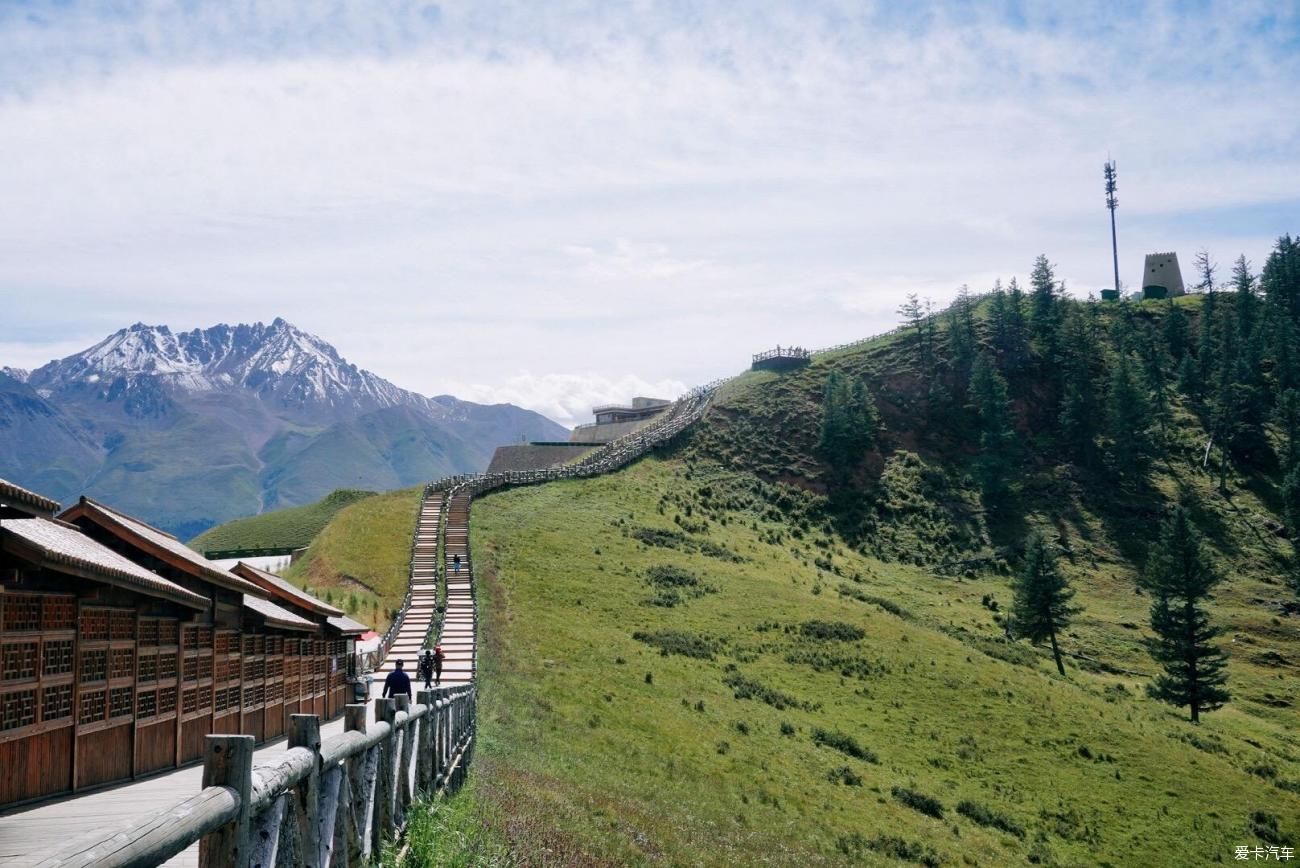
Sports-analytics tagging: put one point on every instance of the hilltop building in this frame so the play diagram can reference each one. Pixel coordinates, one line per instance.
(1161, 276)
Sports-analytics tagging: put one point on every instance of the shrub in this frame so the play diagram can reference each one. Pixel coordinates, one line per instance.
(669, 539)
(845, 744)
(787, 728)
(668, 576)
(677, 642)
(748, 688)
(844, 775)
(927, 805)
(824, 631)
(985, 817)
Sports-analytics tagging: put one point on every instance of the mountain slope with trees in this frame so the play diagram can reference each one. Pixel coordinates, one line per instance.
(799, 639)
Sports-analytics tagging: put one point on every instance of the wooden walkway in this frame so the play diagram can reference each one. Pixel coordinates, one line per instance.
(27, 835)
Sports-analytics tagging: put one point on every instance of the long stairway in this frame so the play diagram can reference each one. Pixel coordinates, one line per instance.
(457, 637)
(423, 610)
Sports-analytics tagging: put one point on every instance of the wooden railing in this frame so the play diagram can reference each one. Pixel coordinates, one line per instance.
(319, 803)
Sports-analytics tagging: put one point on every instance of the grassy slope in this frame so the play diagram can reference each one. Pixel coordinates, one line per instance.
(283, 528)
(366, 546)
(594, 764)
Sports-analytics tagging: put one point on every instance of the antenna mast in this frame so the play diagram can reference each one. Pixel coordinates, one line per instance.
(1112, 203)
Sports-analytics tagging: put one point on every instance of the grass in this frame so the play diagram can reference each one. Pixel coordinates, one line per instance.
(294, 527)
(365, 550)
(610, 749)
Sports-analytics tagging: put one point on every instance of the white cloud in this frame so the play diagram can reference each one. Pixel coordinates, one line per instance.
(568, 398)
(454, 197)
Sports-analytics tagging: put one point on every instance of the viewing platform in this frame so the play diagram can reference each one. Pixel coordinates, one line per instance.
(781, 359)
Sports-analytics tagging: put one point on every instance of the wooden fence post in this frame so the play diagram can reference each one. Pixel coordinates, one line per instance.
(403, 747)
(356, 797)
(424, 750)
(304, 732)
(385, 711)
(229, 763)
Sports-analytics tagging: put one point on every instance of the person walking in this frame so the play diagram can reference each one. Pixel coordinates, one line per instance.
(437, 659)
(455, 564)
(426, 667)
(397, 682)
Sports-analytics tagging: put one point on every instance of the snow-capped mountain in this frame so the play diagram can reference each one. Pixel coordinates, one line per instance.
(187, 429)
(276, 362)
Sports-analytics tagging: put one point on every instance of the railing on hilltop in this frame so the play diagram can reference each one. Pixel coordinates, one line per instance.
(782, 353)
(331, 802)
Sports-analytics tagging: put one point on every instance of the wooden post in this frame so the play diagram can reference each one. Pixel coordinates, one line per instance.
(386, 711)
(404, 760)
(357, 792)
(304, 732)
(424, 750)
(228, 762)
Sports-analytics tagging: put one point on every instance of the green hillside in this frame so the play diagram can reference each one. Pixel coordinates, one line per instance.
(284, 528)
(786, 640)
(363, 556)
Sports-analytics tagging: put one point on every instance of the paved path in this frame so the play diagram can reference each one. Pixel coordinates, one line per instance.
(28, 835)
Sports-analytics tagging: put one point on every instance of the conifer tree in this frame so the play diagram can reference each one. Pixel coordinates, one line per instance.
(997, 437)
(1079, 407)
(1013, 342)
(1287, 419)
(1046, 318)
(849, 420)
(962, 340)
(1176, 333)
(1041, 598)
(1180, 577)
(1128, 420)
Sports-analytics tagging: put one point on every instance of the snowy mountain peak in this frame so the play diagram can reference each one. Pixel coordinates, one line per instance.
(279, 363)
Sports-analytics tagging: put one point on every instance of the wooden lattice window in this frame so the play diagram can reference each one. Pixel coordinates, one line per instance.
(149, 632)
(190, 701)
(58, 657)
(275, 691)
(275, 667)
(94, 704)
(249, 645)
(166, 667)
(94, 665)
(122, 663)
(166, 700)
(56, 702)
(254, 669)
(224, 640)
(22, 613)
(94, 625)
(205, 698)
(59, 613)
(190, 669)
(190, 637)
(146, 703)
(219, 700)
(17, 709)
(205, 637)
(18, 660)
(205, 668)
(121, 625)
(148, 667)
(221, 669)
(119, 702)
(168, 631)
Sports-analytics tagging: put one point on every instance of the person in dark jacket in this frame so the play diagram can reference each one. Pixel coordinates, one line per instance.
(397, 682)
(426, 668)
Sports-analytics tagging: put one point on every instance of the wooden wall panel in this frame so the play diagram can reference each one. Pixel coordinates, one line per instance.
(194, 735)
(155, 747)
(226, 724)
(104, 756)
(36, 766)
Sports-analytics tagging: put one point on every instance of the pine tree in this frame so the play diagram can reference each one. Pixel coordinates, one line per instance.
(912, 315)
(1287, 419)
(1046, 315)
(1180, 578)
(1079, 410)
(997, 437)
(849, 421)
(1013, 346)
(1176, 332)
(962, 340)
(1041, 602)
(1128, 420)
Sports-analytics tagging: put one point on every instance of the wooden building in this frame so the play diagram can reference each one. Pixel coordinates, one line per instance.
(328, 623)
(121, 650)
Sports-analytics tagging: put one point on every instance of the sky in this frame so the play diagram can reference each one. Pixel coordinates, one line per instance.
(564, 204)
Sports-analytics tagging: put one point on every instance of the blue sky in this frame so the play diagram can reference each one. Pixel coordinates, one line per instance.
(566, 203)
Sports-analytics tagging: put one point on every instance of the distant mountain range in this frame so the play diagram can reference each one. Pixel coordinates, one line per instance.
(190, 429)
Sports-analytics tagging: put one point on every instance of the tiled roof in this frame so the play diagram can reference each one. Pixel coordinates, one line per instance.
(276, 616)
(346, 625)
(60, 544)
(18, 494)
(278, 587)
(199, 566)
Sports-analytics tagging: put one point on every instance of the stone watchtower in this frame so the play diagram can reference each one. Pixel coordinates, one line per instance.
(1161, 277)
